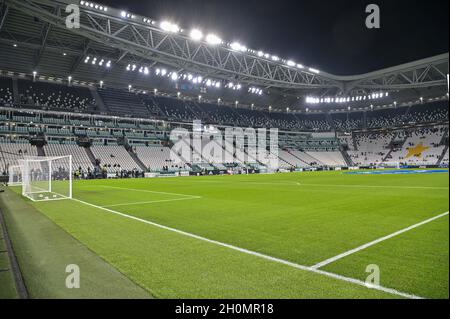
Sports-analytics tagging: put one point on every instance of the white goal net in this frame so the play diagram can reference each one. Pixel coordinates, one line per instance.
(15, 175)
(47, 178)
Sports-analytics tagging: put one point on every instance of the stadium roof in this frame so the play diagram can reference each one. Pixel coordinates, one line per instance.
(122, 48)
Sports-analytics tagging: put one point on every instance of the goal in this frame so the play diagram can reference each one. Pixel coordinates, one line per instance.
(15, 175)
(47, 178)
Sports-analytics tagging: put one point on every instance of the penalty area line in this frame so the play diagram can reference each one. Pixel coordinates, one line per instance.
(256, 254)
(376, 241)
(152, 202)
(148, 191)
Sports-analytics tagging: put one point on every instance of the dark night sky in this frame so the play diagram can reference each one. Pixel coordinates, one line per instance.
(327, 34)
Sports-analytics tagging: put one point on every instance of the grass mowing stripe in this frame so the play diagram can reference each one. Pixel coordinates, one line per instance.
(379, 240)
(249, 252)
(147, 191)
(287, 183)
(154, 201)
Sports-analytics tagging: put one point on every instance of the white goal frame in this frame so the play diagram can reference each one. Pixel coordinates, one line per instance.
(47, 193)
(15, 175)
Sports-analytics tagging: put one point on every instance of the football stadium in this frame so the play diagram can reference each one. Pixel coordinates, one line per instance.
(144, 159)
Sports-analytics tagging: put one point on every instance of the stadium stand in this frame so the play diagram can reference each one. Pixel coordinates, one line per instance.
(421, 147)
(11, 153)
(80, 159)
(371, 148)
(55, 96)
(6, 92)
(114, 158)
(364, 143)
(120, 102)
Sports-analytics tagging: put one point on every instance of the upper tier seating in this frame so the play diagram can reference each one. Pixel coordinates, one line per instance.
(123, 103)
(55, 96)
(6, 92)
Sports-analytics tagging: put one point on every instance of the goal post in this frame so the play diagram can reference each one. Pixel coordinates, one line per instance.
(47, 178)
(15, 175)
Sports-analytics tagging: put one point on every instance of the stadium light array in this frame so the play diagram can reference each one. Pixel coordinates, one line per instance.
(97, 61)
(213, 39)
(196, 34)
(93, 6)
(347, 99)
(275, 58)
(234, 86)
(291, 63)
(238, 47)
(125, 14)
(169, 27)
(255, 90)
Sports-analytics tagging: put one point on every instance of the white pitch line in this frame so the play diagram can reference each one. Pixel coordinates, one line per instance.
(253, 253)
(373, 186)
(154, 201)
(147, 191)
(379, 240)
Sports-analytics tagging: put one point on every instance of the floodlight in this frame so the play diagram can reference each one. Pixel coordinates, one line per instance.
(275, 58)
(163, 72)
(236, 46)
(290, 63)
(196, 35)
(123, 14)
(213, 39)
(169, 27)
(174, 76)
(260, 53)
(314, 70)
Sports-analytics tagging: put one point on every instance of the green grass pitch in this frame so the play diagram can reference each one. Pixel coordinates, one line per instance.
(302, 218)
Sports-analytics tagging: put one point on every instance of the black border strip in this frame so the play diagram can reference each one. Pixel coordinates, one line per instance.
(18, 278)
